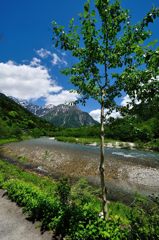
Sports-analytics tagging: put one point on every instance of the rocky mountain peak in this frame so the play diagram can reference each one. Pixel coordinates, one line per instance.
(49, 106)
(63, 115)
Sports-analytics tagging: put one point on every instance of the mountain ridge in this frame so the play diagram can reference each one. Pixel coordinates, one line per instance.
(69, 116)
(62, 115)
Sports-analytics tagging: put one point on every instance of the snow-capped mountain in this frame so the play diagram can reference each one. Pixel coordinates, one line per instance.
(22, 102)
(61, 115)
(37, 110)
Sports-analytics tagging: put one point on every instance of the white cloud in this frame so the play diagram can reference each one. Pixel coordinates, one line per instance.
(55, 89)
(96, 114)
(126, 100)
(55, 59)
(64, 97)
(43, 53)
(26, 81)
(114, 114)
(35, 62)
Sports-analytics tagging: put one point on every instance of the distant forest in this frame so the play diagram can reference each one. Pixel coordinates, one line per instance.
(140, 124)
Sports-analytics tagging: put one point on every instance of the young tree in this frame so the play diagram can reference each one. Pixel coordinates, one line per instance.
(110, 57)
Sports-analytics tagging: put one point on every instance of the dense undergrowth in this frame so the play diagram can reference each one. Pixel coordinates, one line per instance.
(72, 210)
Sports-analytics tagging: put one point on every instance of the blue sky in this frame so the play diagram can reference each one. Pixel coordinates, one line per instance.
(26, 49)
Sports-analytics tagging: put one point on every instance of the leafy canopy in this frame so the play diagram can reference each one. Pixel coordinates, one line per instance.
(111, 54)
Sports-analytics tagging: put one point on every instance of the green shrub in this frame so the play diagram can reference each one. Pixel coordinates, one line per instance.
(1, 180)
(10, 171)
(144, 219)
(13, 114)
(94, 227)
(36, 203)
(36, 132)
(63, 191)
(73, 211)
(79, 216)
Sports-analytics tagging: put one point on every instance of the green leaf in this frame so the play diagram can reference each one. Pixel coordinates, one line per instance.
(152, 43)
(93, 13)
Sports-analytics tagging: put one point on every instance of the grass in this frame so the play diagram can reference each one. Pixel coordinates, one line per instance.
(14, 139)
(9, 171)
(8, 140)
(152, 145)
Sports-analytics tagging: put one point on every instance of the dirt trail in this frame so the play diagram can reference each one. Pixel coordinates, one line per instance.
(13, 224)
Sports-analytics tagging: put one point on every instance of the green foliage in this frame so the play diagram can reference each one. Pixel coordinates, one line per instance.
(99, 49)
(13, 114)
(86, 196)
(133, 128)
(16, 121)
(65, 209)
(73, 211)
(144, 219)
(78, 222)
(128, 128)
(36, 132)
(1, 180)
(8, 140)
(36, 203)
(153, 145)
(13, 172)
(119, 209)
(100, 229)
(4, 128)
(63, 191)
(82, 132)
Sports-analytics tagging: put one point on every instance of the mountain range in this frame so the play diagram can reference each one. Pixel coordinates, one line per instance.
(60, 116)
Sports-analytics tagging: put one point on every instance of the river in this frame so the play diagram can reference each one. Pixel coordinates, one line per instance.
(127, 171)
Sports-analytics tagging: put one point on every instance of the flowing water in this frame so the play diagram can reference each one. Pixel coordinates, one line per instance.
(127, 171)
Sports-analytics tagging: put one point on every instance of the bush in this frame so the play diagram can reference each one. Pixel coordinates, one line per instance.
(36, 203)
(36, 132)
(144, 219)
(61, 214)
(1, 180)
(73, 211)
(91, 227)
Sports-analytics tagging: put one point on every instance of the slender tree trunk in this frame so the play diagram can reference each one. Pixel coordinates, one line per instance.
(102, 165)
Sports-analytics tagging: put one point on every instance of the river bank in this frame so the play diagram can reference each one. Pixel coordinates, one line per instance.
(127, 172)
(111, 143)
